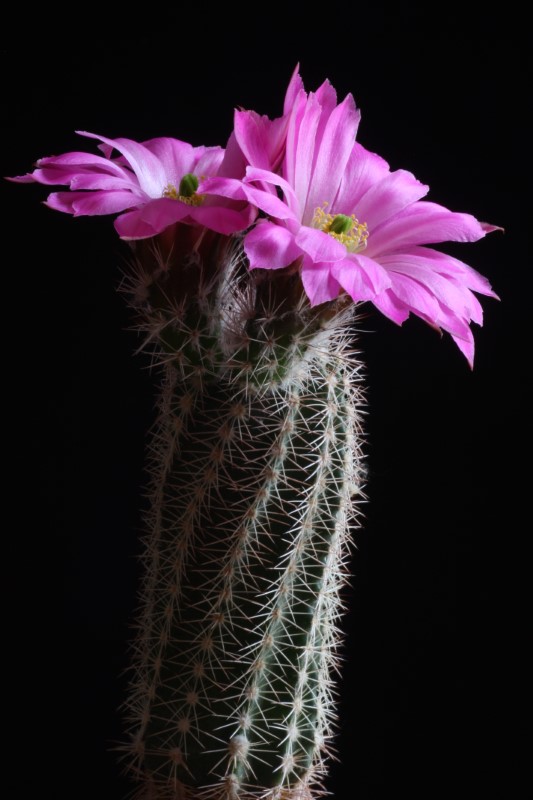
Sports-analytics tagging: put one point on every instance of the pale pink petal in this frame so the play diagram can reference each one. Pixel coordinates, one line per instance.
(319, 284)
(378, 276)
(319, 246)
(90, 203)
(177, 158)
(108, 183)
(363, 170)
(294, 88)
(448, 292)
(252, 131)
(391, 194)
(334, 151)
(235, 190)
(263, 176)
(293, 129)
(305, 156)
(353, 279)
(327, 97)
(423, 223)
(270, 246)
(447, 265)
(89, 161)
(233, 164)
(145, 164)
(415, 296)
(466, 346)
(391, 306)
(208, 162)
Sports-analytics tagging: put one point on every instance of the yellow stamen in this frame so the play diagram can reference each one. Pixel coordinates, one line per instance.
(193, 200)
(354, 240)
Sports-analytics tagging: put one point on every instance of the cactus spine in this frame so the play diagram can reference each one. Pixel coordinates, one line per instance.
(255, 470)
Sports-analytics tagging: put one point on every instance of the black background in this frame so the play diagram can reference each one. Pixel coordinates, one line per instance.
(431, 699)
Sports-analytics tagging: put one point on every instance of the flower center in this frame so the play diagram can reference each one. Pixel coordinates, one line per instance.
(347, 230)
(186, 191)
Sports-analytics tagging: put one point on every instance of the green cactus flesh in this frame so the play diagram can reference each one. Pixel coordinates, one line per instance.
(255, 473)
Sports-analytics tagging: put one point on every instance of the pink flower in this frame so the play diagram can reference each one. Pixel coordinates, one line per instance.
(351, 224)
(155, 183)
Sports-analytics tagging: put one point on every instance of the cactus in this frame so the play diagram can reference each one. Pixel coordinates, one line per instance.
(255, 466)
(249, 265)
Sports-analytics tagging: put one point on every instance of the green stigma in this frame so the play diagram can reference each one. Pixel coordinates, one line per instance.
(341, 224)
(188, 185)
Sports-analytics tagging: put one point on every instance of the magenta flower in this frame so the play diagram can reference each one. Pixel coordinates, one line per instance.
(351, 224)
(155, 183)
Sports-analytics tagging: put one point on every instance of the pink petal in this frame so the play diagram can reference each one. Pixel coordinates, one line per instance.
(152, 218)
(233, 164)
(90, 203)
(363, 170)
(415, 296)
(251, 131)
(378, 277)
(466, 346)
(131, 226)
(448, 292)
(334, 151)
(89, 161)
(222, 219)
(319, 246)
(108, 183)
(305, 154)
(260, 175)
(391, 194)
(176, 158)
(145, 164)
(423, 223)
(208, 163)
(294, 88)
(235, 190)
(391, 306)
(293, 130)
(353, 279)
(447, 265)
(270, 246)
(319, 284)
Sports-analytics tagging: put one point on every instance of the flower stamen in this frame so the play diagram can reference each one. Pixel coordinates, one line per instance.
(186, 192)
(347, 230)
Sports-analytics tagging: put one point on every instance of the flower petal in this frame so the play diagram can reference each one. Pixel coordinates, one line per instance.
(90, 203)
(319, 284)
(260, 175)
(145, 164)
(236, 190)
(222, 219)
(270, 246)
(334, 151)
(319, 245)
(393, 308)
(353, 279)
(423, 223)
(305, 154)
(176, 158)
(208, 161)
(294, 88)
(447, 265)
(152, 218)
(391, 194)
(363, 170)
